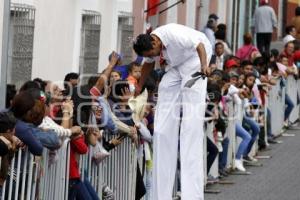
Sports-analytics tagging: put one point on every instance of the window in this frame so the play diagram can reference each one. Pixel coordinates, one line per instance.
(90, 42)
(125, 37)
(20, 44)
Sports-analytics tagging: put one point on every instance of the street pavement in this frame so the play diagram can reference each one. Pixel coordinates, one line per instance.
(277, 179)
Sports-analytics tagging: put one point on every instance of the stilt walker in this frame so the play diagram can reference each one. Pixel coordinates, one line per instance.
(186, 53)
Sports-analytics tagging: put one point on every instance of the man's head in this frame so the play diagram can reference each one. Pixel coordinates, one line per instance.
(289, 48)
(71, 79)
(147, 45)
(134, 69)
(247, 67)
(219, 48)
(7, 122)
(291, 30)
(212, 21)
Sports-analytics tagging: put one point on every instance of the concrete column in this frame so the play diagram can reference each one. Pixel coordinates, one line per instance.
(4, 36)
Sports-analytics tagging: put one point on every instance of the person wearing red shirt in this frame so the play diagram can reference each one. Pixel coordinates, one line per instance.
(77, 189)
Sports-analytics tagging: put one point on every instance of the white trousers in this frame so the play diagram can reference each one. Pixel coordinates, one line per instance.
(172, 96)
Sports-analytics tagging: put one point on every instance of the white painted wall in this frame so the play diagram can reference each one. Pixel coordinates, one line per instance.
(58, 33)
(1, 27)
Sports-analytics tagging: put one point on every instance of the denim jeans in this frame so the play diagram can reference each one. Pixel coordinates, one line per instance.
(81, 190)
(253, 128)
(289, 107)
(223, 154)
(242, 133)
(212, 153)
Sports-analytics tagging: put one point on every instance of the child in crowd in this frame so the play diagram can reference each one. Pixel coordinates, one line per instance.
(134, 70)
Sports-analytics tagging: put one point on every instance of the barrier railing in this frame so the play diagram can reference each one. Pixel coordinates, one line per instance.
(276, 104)
(292, 91)
(54, 173)
(38, 178)
(22, 180)
(118, 171)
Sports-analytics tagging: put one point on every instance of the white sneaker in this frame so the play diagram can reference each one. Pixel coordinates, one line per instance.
(239, 165)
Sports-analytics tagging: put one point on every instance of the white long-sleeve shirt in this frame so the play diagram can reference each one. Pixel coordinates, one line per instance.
(49, 124)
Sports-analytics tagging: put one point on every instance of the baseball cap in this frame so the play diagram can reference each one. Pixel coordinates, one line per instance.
(231, 63)
(213, 16)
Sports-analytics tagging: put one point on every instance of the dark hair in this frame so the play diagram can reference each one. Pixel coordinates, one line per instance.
(68, 77)
(259, 61)
(30, 85)
(7, 121)
(41, 83)
(220, 34)
(245, 63)
(289, 29)
(118, 72)
(143, 43)
(297, 11)
(10, 94)
(222, 27)
(92, 80)
(32, 110)
(219, 43)
(275, 53)
(117, 90)
(296, 45)
(131, 65)
(214, 92)
(249, 75)
(225, 77)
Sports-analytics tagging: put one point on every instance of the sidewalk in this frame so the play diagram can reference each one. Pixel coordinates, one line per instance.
(278, 179)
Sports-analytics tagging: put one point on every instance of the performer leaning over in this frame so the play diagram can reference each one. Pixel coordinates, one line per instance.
(186, 52)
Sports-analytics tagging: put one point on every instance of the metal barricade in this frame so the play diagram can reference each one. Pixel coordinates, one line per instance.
(54, 173)
(292, 91)
(276, 104)
(230, 133)
(22, 180)
(118, 171)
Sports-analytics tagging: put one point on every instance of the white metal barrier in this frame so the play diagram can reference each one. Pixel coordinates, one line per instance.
(276, 104)
(38, 178)
(54, 173)
(292, 91)
(118, 171)
(22, 180)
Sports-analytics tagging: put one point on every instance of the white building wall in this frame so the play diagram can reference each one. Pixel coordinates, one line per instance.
(1, 27)
(191, 13)
(58, 33)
